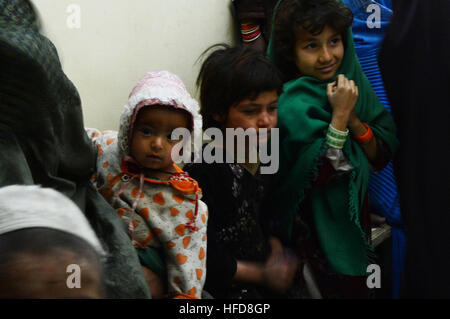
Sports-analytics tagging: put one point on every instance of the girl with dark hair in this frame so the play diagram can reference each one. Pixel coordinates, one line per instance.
(239, 88)
(333, 131)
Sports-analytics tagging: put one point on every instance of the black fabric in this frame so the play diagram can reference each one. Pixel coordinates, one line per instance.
(415, 64)
(42, 139)
(236, 229)
(249, 9)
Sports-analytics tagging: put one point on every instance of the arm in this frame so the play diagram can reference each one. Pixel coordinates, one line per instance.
(252, 36)
(343, 95)
(251, 15)
(357, 128)
(276, 273)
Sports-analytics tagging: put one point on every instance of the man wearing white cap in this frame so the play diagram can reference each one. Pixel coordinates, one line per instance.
(47, 247)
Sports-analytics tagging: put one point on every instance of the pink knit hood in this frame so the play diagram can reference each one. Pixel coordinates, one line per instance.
(158, 88)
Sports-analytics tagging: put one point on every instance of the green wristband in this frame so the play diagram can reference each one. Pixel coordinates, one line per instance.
(336, 133)
(334, 142)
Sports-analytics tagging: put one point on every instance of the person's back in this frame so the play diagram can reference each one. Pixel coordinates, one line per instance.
(414, 61)
(44, 142)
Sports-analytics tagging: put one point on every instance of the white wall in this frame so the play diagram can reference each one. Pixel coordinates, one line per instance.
(119, 40)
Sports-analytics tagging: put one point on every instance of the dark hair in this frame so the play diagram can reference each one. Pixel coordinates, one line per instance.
(312, 16)
(231, 74)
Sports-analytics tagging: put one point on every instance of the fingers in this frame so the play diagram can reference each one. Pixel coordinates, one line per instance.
(281, 272)
(275, 244)
(346, 82)
(354, 89)
(350, 84)
(288, 272)
(330, 88)
(340, 81)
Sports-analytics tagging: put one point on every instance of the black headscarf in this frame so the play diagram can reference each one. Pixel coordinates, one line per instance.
(415, 63)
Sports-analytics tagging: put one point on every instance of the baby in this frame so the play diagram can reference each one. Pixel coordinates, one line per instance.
(158, 202)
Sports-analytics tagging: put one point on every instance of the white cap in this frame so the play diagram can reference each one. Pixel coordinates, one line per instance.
(24, 207)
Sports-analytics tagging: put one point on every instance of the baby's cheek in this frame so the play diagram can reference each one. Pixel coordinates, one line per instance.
(136, 147)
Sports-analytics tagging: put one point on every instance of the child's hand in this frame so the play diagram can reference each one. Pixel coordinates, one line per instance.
(352, 119)
(155, 283)
(280, 268)
(342, 95)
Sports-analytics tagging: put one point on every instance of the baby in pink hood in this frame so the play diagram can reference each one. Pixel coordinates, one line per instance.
(158, 202)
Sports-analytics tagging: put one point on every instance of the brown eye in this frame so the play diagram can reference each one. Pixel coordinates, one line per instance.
(335, 40)
(145, 131)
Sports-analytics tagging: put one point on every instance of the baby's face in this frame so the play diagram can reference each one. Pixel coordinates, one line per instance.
(152, 145)
(319, 56)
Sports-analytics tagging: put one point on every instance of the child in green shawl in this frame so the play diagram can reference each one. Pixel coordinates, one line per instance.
(333, 130)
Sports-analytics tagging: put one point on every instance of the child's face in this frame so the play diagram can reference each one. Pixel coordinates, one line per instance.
(319, 56)
(260, 112)
(151, 145)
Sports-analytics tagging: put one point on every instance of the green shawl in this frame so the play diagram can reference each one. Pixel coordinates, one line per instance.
(304, 116)
(42, 140)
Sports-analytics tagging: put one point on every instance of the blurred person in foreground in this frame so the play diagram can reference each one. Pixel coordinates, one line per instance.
(43, 141)
(44, 238)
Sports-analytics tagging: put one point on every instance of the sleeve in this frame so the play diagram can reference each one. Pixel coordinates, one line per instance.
(249, 9)
(149, 256)
(101, 142)
(332, 163)
(221, 265)
(185, 248)
(100, 139)
(335, 162)
(94, 135)
(383, 156)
